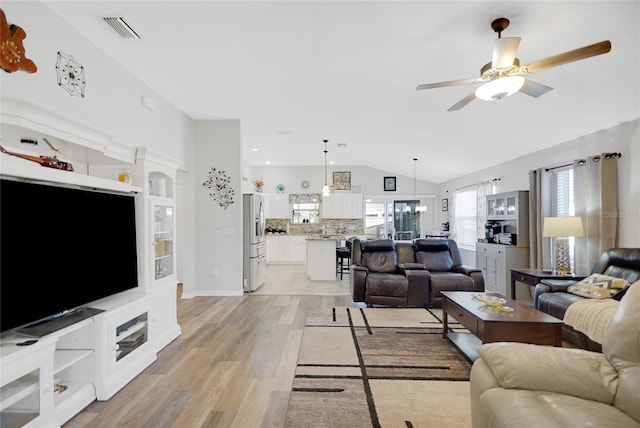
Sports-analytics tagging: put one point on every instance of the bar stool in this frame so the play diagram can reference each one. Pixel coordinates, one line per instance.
(342, 254)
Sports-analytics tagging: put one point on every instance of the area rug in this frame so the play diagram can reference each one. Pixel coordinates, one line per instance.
(379, 367)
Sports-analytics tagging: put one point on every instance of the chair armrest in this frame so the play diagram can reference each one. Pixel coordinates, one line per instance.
(475, 274)
(411, 266)
(358, 279)
(574, 372)
(551, 286)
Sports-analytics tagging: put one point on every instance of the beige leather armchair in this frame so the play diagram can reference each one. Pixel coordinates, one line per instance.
(522, 385)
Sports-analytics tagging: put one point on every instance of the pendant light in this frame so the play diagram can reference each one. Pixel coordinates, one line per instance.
(325, 188)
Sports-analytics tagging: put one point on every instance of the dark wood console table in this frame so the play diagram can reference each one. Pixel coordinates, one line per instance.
(534, 276)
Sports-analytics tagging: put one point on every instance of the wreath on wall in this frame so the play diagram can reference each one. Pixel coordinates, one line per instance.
(219, 185)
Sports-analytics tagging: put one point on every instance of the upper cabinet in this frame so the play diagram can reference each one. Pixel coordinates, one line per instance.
(511, 210)
(342, 205)
(278, 206)
(507, 206)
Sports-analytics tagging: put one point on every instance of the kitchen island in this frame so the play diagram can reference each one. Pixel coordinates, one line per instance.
(321, 259)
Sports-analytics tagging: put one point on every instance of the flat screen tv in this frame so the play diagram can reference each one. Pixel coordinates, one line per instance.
(62, 248)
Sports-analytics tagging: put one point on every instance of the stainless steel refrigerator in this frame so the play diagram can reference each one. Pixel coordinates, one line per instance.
(253, 245)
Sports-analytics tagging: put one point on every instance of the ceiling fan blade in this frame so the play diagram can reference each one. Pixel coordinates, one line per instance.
(504, 52)
(463, 102)
(566, 57)
(534, 89)
(449, 83)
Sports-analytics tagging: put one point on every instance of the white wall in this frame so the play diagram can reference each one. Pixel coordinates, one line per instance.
(370, 180)
(218, 242)
(624, 138)
(112, 102)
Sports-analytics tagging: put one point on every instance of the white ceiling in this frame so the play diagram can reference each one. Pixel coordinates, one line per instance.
(297, 72)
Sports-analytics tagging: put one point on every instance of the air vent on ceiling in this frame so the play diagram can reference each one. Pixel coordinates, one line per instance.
(342, 145)
(122, 28)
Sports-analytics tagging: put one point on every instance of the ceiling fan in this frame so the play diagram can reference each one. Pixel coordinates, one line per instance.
(503, 76)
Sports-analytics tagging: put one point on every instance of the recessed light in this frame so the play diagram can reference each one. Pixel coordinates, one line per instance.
(331, 162)
(255, 149)
(341, 145)
(268, 162)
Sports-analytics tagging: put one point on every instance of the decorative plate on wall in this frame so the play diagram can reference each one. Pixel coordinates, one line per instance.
(280, 188)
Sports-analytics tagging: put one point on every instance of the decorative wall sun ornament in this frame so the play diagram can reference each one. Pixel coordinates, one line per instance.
(70, 75)
(219, 185)
(12, 54)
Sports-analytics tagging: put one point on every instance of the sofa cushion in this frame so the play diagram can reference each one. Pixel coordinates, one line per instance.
(597, 286)
(385, 284)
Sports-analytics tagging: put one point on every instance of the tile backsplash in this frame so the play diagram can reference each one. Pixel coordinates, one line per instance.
(345, 226)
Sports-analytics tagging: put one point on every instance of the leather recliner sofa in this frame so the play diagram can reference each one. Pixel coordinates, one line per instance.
(517, 384)
(383, 272)
(552, 297)
(441, 257)
(400, 273)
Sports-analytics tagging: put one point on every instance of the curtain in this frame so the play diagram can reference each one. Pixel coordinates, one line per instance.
(452, 216)
(596, 201)
(540, 206)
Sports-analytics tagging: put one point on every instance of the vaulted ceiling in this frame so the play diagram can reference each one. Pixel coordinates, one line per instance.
(297, 72)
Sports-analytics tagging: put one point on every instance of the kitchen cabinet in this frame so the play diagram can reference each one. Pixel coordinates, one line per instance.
(286, 249)
(278, 206)
(496, 262)
(342, 205)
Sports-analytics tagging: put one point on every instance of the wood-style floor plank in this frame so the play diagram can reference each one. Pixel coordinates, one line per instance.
(232, 366)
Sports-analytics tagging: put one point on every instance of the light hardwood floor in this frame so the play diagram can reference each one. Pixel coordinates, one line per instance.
(232, 366)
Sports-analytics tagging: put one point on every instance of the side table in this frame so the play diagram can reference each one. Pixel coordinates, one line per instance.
(534, 276)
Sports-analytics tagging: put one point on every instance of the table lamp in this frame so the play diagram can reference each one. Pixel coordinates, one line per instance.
(561, 228)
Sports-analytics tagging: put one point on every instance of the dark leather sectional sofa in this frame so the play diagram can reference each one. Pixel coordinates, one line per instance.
(404, 273)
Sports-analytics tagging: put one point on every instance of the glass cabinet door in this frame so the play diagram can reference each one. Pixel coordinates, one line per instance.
(500, 207)
(491, 207)
(511, 205)
(163, 240)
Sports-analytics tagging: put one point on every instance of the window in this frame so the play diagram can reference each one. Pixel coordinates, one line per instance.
(465, 218)
(563, 202)
(563, 198)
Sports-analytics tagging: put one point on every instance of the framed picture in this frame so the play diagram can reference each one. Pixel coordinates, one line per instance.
(389, 184)
(445, 205)
(342, 180)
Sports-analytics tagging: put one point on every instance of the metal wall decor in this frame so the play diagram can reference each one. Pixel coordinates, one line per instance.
(70, 75)
(342, 180)
(219, 185)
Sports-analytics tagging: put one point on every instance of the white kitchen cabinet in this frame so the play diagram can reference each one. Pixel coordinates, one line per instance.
(496, 262)
(279, 206)
(286, 249)
(342, 205)
(511, 210)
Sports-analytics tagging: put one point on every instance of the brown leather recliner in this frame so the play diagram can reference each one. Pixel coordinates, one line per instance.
(384, 272)
(552, 297)
(441, 257)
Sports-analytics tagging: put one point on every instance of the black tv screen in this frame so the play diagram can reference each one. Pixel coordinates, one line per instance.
(62, 248)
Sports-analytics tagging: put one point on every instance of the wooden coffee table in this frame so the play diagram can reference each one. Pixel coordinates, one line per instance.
(524, 324)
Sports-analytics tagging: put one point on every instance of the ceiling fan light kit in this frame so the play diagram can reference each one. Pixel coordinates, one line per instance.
(500, 88)
(503, 76)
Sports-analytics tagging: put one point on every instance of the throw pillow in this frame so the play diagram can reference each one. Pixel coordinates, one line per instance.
(597, 286)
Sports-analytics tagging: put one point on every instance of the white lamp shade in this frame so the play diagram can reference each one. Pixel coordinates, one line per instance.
(562, 227)
(500, 88)
(325, 190)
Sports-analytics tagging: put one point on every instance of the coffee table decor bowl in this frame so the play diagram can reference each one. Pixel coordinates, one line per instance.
(490, 300)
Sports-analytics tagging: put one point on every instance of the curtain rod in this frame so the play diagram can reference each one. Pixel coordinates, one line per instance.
(583, 161)
(475, 184)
